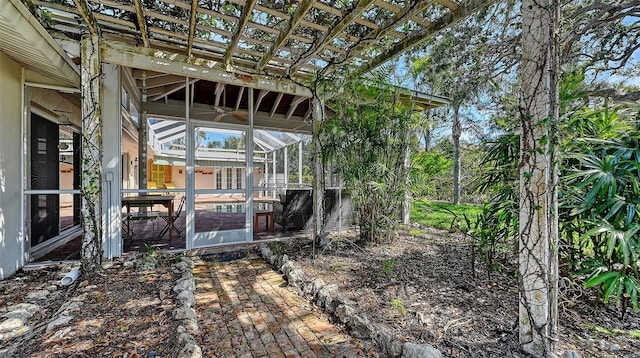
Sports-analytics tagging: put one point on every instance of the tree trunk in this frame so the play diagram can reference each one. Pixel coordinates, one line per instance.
(456, 132)
(538, 179)
(91, 189)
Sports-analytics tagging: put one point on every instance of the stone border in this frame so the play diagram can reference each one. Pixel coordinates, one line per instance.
(185, 309)
(343, 309)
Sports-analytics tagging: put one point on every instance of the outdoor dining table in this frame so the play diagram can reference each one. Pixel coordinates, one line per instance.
(149, 201)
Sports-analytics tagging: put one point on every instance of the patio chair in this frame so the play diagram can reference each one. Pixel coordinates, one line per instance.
(175, 216)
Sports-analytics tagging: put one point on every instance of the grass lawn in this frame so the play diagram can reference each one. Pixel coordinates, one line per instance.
(436, 214)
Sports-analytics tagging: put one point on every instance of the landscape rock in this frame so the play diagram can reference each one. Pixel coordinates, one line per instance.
(21, 314)
(29, 307)
(606, 346)
(326, 295)
(11, 324)
(360, 327)
(70, 307)
(287, 267)
(186, 298)
(181, 266)
(184, 284)
(38, 295)
(344, 313)
(571, 354)
(312, 287)
(188, 261)
(62, 320)
(412, 350)
(190, 351)
(392, 346)
(296, 277)
(185, 312)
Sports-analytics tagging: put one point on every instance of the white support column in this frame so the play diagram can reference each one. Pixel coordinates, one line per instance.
(275, 177)
(111, 160)
(300, 163)
(142, 137)
(190, 178)
(92, 180)
(249, 161)
(286, 167)
(266, 173)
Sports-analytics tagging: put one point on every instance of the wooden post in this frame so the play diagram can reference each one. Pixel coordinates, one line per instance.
(92, 181)
(538, 228)
(318, 172)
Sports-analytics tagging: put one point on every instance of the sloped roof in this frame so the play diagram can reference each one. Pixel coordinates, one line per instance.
(23, 39)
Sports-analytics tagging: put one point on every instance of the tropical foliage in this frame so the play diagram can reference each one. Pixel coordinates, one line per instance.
(367, 142)
(599, 192)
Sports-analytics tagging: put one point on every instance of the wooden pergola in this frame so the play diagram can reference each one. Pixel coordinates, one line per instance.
(264, 44)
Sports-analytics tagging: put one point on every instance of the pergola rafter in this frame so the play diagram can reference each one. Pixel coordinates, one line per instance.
(192, 25)
(87, 16)
(247, 9)
(142, 23)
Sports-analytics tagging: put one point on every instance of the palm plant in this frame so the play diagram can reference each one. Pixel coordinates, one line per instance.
(602, 206)
(367, 141)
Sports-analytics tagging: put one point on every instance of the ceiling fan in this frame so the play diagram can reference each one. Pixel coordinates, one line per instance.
(221, 112)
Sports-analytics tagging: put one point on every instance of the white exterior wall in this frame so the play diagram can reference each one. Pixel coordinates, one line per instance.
(12, 238)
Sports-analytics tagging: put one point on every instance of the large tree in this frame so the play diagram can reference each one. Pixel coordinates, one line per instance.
(463, 63)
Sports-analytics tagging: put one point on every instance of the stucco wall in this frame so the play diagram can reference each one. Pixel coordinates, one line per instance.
(11, 229)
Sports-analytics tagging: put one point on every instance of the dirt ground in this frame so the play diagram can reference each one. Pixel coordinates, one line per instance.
(422, 288)
(123, 312)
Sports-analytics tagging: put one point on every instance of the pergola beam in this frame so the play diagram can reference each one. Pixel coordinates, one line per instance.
(415, 39)
(87, 16)
(301, 11)
(142, 23)
(192, 26)
(176, 64)
(335, 31)
(244, 19)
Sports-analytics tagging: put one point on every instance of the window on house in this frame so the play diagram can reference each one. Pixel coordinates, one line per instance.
(228, 172)
(239, 178)
(218, 178)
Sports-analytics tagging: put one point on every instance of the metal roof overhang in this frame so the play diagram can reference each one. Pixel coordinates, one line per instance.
(168, 160)
(26, 41)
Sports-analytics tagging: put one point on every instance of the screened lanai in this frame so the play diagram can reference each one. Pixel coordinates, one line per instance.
(168, 70)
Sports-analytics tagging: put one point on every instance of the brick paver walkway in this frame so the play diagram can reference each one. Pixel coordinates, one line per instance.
(244, 310)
